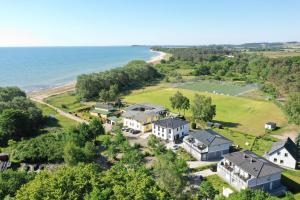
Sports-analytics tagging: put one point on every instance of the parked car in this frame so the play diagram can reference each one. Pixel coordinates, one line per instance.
(135, 132)
(124, 128)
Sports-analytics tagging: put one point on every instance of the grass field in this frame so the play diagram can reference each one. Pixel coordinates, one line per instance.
(62, 122)
(278, 54)
(67, 102)
(218, 183)
(226, 88)
(237, 113)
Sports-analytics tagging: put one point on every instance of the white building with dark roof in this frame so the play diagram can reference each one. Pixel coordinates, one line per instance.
(170, 129)
(247, 170)
(206, 145)
(283, 153)
(140, 116)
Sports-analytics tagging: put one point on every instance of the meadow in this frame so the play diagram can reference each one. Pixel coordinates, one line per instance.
(237, 113)
(219, 87)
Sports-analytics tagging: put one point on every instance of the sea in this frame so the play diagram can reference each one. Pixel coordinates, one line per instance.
(38, 68)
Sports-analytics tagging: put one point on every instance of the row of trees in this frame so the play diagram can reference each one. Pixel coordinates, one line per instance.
(132, 75)
(72, 146)
(202, 107)
(19, 117)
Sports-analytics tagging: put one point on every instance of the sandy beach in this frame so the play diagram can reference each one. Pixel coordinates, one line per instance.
(42, 94)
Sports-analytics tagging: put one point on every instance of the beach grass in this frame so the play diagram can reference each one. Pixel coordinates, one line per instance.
(237, 113)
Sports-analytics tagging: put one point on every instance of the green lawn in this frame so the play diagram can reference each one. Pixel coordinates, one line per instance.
(237, 113)
(183, 154)
(218, 183)
(61, 122)
(226, 88)
(67, 102)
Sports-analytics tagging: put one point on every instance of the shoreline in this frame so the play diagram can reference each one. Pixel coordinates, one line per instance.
(40, 95)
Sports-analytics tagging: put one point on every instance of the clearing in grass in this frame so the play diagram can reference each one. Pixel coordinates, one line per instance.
(219, 87)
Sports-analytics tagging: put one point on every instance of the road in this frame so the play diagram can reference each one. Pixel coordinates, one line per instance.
(59, 111)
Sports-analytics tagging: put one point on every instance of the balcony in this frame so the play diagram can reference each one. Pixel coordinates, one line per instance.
(229, 169)
(200, 148)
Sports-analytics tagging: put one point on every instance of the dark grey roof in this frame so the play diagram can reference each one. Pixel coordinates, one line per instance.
(252, 163)
(271, 123)
(172, 122)
(209, 137)
(288, 144)
(146, 107)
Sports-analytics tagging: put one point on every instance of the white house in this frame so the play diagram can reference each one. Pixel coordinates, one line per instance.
(247, 170)
(206, 145)
(140, 116)
(283, 153)
(170, 129)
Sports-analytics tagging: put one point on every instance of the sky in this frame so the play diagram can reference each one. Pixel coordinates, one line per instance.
(147, 22)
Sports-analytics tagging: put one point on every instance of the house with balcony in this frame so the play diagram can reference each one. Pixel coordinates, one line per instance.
(206, 145)
(171, 128)
(283, 153)
(247, 170)
(140, 116)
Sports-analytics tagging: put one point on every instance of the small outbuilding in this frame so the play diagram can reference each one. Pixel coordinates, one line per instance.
(270, 126)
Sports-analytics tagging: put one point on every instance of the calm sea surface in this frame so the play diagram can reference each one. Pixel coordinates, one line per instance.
(36, 68)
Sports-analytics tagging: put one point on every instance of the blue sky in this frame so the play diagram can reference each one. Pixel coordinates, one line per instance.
(152, 22)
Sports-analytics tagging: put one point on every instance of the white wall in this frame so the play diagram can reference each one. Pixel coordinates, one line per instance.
(130, 123)
(168, 133)
(288, 161)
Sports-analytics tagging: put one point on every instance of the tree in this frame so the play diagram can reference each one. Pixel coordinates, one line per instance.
(185, 105)
(179, 102)
(113, 92)
(13, 125)
(202, 108)
(169, 172)
(297, 142)
(11, 181)
(96, 128)
(292, 108)
(207, 191)
(104, 95)
(63, 183)
(73, 154)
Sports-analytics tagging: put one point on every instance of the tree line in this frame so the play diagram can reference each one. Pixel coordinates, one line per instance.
(108, 84)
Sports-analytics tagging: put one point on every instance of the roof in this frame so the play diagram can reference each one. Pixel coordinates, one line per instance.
(271, 123)
(102, 112)
(171, 122)
(115, 119)
(104, 106)
(209, 137)
(253, 164)
(288, 144)
(139, 116)
(140, 112)
(146, 107)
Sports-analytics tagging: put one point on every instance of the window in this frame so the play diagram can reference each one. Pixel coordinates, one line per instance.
(162, 135)
(275, 159)
(286, 154)
(158, 128)
(177, 129)
(278, 153)
(281, 161)
(162, 129)
(169, 130)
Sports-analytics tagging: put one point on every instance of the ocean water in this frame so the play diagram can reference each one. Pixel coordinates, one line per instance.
(36, 68)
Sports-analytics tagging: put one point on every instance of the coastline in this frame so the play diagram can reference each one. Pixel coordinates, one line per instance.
(40, 95)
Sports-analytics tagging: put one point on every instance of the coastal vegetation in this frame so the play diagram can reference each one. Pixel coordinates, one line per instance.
(19, 117)
(134, 74)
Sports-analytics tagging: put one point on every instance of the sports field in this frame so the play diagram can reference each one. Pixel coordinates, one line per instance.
(219, 87)
(238, 113)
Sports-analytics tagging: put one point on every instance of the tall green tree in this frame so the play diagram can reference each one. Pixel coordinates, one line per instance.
(202, 108)
(179, 102)
(207, 191)
(292, 108)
